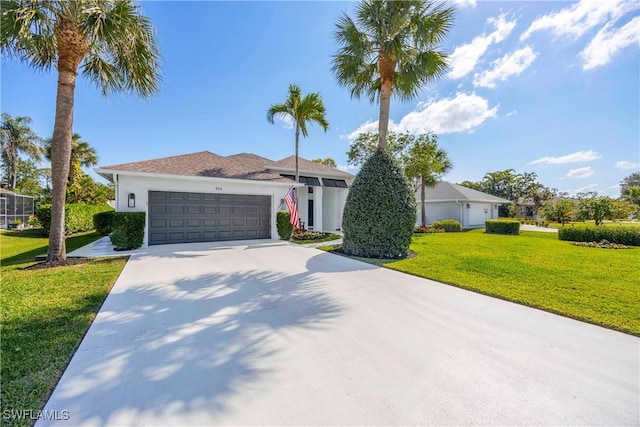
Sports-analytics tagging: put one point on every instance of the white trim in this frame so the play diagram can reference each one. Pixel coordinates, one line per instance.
(102, 173)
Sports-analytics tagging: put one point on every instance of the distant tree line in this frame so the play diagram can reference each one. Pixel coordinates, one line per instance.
(22, 152)
(531, 198)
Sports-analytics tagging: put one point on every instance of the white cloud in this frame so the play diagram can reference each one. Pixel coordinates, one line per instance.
(583, 189)
(465, 3)
(461, 113)
(366, 127)
(625, 165)
(610, 41)
(577, 19)
(509, 65)
(584, 172)
(578, 156)
(465, 57)
(512, 113)
(286, 120)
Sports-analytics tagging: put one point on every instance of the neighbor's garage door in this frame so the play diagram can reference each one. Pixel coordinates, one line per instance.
(176, 217)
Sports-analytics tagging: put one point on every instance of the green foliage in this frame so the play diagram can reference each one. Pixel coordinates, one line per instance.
(366, 145)
(16, 137)
(380, 211)
(623, 235)
(449, 225)
(421, 229)
(78, 217)
(327, 161)
(128, 229)
(592, 206)
(283, 222)
(502, 226)
(628, 182)
(522, 189)
(102, 222)
(85, 189)
(27, 179)
(561, 211)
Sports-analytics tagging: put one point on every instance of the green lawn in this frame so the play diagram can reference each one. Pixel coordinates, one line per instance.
(536, 269)
(45, 313)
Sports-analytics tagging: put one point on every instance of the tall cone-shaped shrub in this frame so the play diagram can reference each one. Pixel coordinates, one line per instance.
(380, 212)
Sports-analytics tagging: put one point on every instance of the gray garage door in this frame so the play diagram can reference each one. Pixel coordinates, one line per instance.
(176, 217)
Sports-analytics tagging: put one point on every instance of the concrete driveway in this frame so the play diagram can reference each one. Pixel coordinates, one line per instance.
(274, 334)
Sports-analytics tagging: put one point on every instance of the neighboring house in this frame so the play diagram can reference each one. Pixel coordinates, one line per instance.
(451, 201)
(14, 208)
(203, 197)
(526, 208)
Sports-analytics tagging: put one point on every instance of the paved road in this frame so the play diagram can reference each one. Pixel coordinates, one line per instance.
(275, 334)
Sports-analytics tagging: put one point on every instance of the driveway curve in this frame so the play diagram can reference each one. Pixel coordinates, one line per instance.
(268, 333)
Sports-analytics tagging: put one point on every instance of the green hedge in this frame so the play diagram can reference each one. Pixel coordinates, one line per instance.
(380, 211)
(102, 222)
(285, 228)
(449, 225)
(502, 226)
(128, 229)
(614, 234)
(78, 217)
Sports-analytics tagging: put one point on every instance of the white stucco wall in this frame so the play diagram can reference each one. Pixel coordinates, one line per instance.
(439, 210)
(141, 185)
(332, 208)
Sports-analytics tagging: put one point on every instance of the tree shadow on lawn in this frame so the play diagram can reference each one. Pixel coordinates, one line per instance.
(165, 352)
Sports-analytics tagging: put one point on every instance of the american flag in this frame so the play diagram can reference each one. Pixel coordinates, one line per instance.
(290, 200)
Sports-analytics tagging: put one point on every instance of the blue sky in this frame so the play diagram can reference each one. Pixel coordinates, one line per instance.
(545, 87)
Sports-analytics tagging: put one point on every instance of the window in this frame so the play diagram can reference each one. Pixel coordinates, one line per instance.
(307, 180)
(339, 183)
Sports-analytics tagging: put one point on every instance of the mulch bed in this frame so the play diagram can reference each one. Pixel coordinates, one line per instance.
(339, 251)
(52, 264)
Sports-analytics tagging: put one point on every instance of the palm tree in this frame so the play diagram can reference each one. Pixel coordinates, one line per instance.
(427, 163)
(108, 41)
(309, 109)
(17, 137)
(391, 48)
(82, 155)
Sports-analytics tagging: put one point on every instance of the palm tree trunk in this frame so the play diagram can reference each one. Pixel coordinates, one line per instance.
(60, 155)
(14, 170)
(423, 188)
(387, 68)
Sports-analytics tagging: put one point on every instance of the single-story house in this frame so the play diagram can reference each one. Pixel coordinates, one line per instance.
(203, 197)
(452, 201)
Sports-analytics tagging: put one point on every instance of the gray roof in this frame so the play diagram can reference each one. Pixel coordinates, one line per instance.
(289, 164)
(238, 166)
(447, 191)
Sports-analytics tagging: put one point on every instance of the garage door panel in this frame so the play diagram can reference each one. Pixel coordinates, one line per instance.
(198, 217)
(176, 223)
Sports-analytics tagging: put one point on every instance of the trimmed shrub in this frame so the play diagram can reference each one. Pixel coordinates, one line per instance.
(421, 229)
(449, 225)
(285, 228)
(502, 226)
(308, 235)
(78, 217)
(128, 229)
(614, 234)
(380, 211)
(102, 222)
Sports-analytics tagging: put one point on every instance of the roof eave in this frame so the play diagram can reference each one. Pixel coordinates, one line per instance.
(108, 174)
